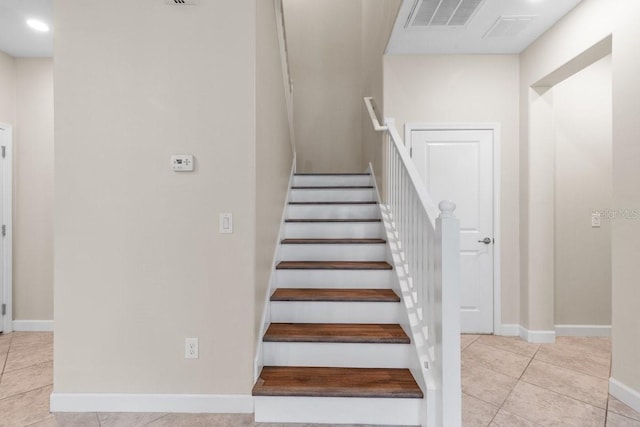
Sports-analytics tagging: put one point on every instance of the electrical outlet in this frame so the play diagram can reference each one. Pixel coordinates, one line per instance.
(191, 348)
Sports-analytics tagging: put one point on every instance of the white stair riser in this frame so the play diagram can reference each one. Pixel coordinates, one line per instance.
(357, 279)
(331, 180)
(335, 312)
(346, 195)
(331, 252)
(345, 211)
(329, 230)
(338, 410)
(342, 355)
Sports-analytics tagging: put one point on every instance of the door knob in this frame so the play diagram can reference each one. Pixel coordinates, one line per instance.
(486, 240)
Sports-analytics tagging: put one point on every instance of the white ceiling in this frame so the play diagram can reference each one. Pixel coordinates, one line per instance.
(471, 39)
(16, 38)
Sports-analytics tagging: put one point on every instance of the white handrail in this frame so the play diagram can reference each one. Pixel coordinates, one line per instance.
(368, 101)
(425, 242)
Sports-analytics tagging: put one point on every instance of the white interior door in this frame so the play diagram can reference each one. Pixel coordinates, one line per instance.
(4, 141)
(5, 228)
(457, 165)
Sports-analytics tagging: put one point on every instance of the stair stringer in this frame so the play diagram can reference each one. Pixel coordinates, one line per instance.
(418, 358)
(266, 307)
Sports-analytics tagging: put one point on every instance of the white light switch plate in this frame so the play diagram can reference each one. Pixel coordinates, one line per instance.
(226, 223)
(595, 220)
(182, 162)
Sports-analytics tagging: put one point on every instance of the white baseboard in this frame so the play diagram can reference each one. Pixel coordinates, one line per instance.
(625, 394)
(538, 337)
(515, 330)
(583, 330)
(509, 331)
(33, 325)
(182, 403)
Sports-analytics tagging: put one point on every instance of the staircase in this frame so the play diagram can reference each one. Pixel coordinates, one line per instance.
(335, 350)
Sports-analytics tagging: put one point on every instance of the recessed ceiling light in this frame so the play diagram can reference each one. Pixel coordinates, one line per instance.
(38, 25)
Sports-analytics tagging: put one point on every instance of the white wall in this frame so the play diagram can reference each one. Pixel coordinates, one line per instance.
(7, 89)
(589, 23)
(467, 89)
(273, 149)
(583, 175)
(33, 191)
(139, 262)
(323, 38)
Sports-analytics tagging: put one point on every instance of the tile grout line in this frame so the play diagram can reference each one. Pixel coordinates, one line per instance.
(565, 395)
(573, 370)
(514, 387)
(25, 392)
(30, 366)
(4, 364)
(507, 350)
(159, 418)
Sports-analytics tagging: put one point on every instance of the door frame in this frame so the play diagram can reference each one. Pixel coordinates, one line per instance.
(495, 128)
(6, 218)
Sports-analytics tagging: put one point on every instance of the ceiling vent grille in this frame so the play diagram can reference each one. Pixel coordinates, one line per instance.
(181, 2)
(442, 13)
(509, 26)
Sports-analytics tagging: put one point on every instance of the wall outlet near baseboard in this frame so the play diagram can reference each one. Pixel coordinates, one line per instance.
(191, 348)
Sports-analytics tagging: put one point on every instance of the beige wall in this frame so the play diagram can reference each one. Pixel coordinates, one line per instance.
(582, 120)
(378, 17)
(273, 149)
(139, 262)
(26, 103)
(590, 22)
(467, 89)
(323, 37)
(33, 191)
(7, 89)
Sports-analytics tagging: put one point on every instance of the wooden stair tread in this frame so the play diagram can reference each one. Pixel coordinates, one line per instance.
(339, 295)
(336, 333)
(334, 203)
(333, 187)
(337, 382)
(334, 265)
(332, 220)
(323, 241)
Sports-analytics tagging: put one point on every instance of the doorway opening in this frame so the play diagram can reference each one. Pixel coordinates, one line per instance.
(570, 130)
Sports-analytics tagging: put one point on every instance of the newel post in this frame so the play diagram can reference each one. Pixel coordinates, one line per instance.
(448, 252)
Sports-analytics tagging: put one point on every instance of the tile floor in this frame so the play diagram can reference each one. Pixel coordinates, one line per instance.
(506, 382)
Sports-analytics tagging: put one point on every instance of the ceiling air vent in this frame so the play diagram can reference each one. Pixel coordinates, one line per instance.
(442, 13)
(509, 26)
(181, 2)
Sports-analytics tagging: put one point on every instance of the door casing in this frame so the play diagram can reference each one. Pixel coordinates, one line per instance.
(6, 218)
(495, 128)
